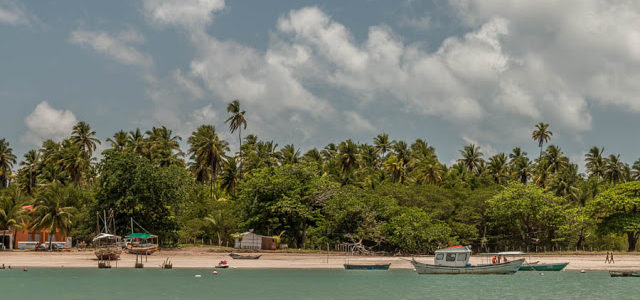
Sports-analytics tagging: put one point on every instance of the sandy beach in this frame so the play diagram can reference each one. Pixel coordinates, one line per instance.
(196, 257)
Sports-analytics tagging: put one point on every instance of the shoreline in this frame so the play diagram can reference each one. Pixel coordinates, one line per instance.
(204, 258)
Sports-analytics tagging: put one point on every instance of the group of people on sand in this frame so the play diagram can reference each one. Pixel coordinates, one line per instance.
(499, 259)
(609, 259)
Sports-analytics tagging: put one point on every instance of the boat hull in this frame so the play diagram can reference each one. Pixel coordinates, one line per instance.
(624, 273)
(367, 267)
(544, 267)
(143, 251)
(108, 253)
(504, 268)
(238, 256)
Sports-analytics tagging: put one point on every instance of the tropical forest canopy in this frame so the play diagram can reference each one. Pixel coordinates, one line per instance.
(387, 196)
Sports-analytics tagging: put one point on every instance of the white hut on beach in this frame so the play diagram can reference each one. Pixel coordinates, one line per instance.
(251, 240)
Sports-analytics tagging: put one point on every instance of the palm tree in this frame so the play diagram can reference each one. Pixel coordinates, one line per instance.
(312, 155)
(614, 169)
(12, 215)
(51, 213)
(84, 137)
(541, 135)
(136, 141)
(230, 176)
(471, 158)
(221, 223)
(348, 156)
(429, 171)
(395, 166)
(236, 122)
(521, 169)
(119, 141)
(565, 183)
(555, 159)
(382, 144)
(7, 160)
(164, 147)
(498, 167)
(207, 149)
(401, 149)
(30, 166)
(289, 155)
(594, 162)
(74, 161)
(636, 170)
(369, 156)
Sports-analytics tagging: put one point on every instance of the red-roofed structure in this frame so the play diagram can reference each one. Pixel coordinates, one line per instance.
(25, 238)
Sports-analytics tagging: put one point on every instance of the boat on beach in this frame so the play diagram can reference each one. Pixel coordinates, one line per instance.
(107, 245)
(222, 265)
(367, 266)
(238, 256)
(141, 243)
(455, 260)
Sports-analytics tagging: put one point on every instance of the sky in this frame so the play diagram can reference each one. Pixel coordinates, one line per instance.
(314, 72)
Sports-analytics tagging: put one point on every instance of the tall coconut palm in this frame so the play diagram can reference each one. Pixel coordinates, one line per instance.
(30, 168)
(236, 122)
(164, 147)
(51, 212)
(429, 171)
(382, 144)
(594, 162)
(207, 149)
(369, 156)
(12, 215)
(84, 137)
(312, 155)
(541, 134)
(230, 176)
(119, 141)
(136, 141)
(471, 158)
(555, 159)
(222, 225)
(348, 156)
(289, 155)
(401, 150)
(565, 183)
(74, 161)
(498, 168)
(396, 168)
(521, 169)
(636, 170)
(7, 160)
(516, 154)
(614, 169)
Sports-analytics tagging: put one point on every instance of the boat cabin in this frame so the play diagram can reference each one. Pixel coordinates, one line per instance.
(456, 256)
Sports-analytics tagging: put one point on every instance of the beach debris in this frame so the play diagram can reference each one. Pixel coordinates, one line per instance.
(166, 264)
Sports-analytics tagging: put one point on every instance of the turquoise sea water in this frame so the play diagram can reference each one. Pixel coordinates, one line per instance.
(307, 284)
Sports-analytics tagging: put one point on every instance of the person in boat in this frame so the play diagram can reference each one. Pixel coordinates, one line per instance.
(505, 259)
(494, 259)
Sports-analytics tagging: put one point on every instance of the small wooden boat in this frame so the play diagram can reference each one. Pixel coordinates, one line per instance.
(222, 265)
(107, 246)
(141, 243)
(367, 266)
(543, 267)
(455, 260)
(238, 256)
(624, 273)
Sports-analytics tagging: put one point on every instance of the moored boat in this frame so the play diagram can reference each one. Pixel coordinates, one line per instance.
(222, 265)
(141, 243)
(238, 256)
(543, 267)
(367, 266)
(455, 260)
(107, 246)
(624, 273)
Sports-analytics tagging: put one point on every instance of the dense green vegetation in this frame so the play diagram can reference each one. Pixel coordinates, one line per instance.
(389, 196)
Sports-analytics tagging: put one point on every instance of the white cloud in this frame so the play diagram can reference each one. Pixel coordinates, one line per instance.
(13, 13)
(355, 122)
(117, 46)
(191, 14)
(46, 122)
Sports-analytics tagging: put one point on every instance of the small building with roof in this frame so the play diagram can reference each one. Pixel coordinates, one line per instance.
(251, 240)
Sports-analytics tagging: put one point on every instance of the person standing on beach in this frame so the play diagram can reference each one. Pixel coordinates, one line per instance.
(611, 261)
(606, 260)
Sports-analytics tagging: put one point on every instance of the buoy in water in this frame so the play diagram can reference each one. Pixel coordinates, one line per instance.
(215, 272)
(541, 274)
(198, 276)
(25, 269)
(583, 271)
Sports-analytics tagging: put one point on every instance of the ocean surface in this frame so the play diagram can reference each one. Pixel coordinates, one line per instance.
(307, 284)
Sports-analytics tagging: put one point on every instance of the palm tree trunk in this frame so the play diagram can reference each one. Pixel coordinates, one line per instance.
(212, 179)
(51, 240)
(240, 148)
